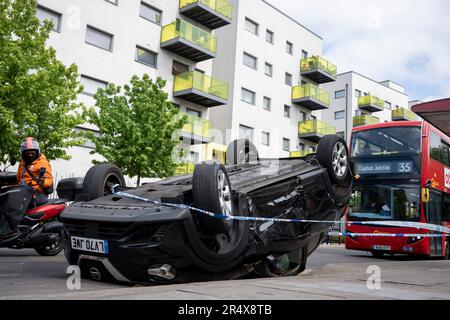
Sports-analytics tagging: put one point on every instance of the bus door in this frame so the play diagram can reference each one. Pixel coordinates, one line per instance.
(434, 216)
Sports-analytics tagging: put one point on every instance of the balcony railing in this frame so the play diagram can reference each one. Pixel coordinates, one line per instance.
(211, 13)
(185, 168)
(189, 41)
(318, 69)
(371, 103)
(364, 120)
(403, 114)
(314, 130)
(198, 130)
(300, 154)
(198, 88)
(311, 97)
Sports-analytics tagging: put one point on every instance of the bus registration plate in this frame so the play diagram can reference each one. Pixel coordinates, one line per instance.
(381, 248)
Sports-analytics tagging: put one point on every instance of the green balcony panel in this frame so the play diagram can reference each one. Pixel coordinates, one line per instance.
(196, 130)
(371, 103)
(364, 120)
(184, 169)
(311, 97)
(300, 154)
(403, 114)
(314, 130)
(188, 41)
(200, 89)
(318, 69)
(212, 14)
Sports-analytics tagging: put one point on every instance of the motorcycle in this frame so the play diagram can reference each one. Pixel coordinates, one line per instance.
(38, 228)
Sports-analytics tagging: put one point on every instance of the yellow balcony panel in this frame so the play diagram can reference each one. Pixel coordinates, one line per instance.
(188, 41)
(311, 97)
(403, 114)
(198, 88)
(196, 130)
(314, 130)
(184, 169)
(318, 69)
(364, 120)
(371, 103)
(212, 14)
(300, 154)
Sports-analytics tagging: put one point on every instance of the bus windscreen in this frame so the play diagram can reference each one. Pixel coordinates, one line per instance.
(386, 141)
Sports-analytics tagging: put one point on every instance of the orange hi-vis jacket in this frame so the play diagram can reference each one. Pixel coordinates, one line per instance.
(24, 178)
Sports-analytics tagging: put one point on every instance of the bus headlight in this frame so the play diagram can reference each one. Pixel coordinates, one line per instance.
(413, 240)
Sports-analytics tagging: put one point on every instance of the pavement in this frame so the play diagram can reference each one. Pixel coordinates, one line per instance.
(333, 273)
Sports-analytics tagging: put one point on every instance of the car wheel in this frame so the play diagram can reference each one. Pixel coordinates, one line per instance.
(241, 151)
(377, 254)
(332, 154)
(99, 180)
(221, 241)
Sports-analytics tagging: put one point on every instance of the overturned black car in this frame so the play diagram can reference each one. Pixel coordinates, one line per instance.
(117, 238)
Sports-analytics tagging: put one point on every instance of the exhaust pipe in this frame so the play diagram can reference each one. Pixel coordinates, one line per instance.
(165, 271)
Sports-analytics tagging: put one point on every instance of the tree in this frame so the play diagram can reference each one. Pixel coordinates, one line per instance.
(37, 91)
(137, 126)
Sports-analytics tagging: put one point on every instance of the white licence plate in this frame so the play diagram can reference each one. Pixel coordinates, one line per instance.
(382, 248)
(90, 245)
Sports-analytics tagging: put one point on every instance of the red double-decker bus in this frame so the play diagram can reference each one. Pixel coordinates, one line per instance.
(402, 173)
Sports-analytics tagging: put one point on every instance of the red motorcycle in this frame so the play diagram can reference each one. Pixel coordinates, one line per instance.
(38, 228)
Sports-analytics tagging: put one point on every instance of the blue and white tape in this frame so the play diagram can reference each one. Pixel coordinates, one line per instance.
(388, 235)
(402, 224)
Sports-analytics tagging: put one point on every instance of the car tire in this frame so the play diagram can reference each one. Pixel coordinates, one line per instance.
(100, 178)
(218, 242)
(332, 154)
(241, 151)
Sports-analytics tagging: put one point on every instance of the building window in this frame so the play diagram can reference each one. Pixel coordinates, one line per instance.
(194, 113)
(116, 2)
(288, 79)
(99, 38)
(289, 48)
(339, 94)
(304, 54)
(388, 105)
(146, 57)
(339, 115)
(358, 93)
(91, 85)
(46, 14)
(270, 36)
(87, 144)
(248, 96)
(179, 68)
(287, 111)
(251, 26)
(286, 145)
(268, 70)
(149, 13)
(250, 61)
(265, 138)
(245, 132)
(302, 116)
(267, 104)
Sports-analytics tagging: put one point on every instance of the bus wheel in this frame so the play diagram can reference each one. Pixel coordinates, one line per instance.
(377, 254)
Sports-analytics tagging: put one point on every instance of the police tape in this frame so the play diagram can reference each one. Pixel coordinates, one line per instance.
(388, 235)
(402, 224)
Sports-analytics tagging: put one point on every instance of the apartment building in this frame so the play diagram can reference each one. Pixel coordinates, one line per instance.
(357, 100)
(274, 68)
(112, 40)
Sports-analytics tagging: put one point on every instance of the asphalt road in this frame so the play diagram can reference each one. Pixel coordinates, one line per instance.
(332, 273)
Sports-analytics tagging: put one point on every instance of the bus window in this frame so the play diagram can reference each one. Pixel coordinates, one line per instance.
(439, 150)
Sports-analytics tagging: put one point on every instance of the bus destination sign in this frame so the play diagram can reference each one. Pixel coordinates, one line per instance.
(384, 167)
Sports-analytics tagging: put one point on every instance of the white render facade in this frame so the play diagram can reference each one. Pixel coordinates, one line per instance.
(260, 35)
(345, 104)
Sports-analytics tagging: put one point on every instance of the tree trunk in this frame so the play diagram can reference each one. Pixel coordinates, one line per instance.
(138, 180)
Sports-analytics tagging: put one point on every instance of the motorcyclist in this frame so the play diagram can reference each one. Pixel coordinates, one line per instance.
(35, 171)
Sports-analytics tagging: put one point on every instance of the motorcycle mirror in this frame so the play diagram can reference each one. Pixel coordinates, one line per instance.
(13, 161)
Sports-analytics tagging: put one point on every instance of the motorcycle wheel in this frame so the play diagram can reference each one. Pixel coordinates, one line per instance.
(51, 250)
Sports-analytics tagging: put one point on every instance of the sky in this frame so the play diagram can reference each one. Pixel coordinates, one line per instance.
(406, 41)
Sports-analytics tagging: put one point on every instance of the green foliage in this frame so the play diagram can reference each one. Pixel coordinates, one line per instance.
(37, 91)
(138, 127)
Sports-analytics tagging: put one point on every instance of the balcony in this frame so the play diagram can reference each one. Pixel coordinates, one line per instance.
(188, 41)
(314, 130)
(198, 88)
(371, 104)
(364, 120)
(318, 69)
(403, 114)
(184, 168)
(212, 14)
(300, 154)
(311, 97)
(196, 130)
